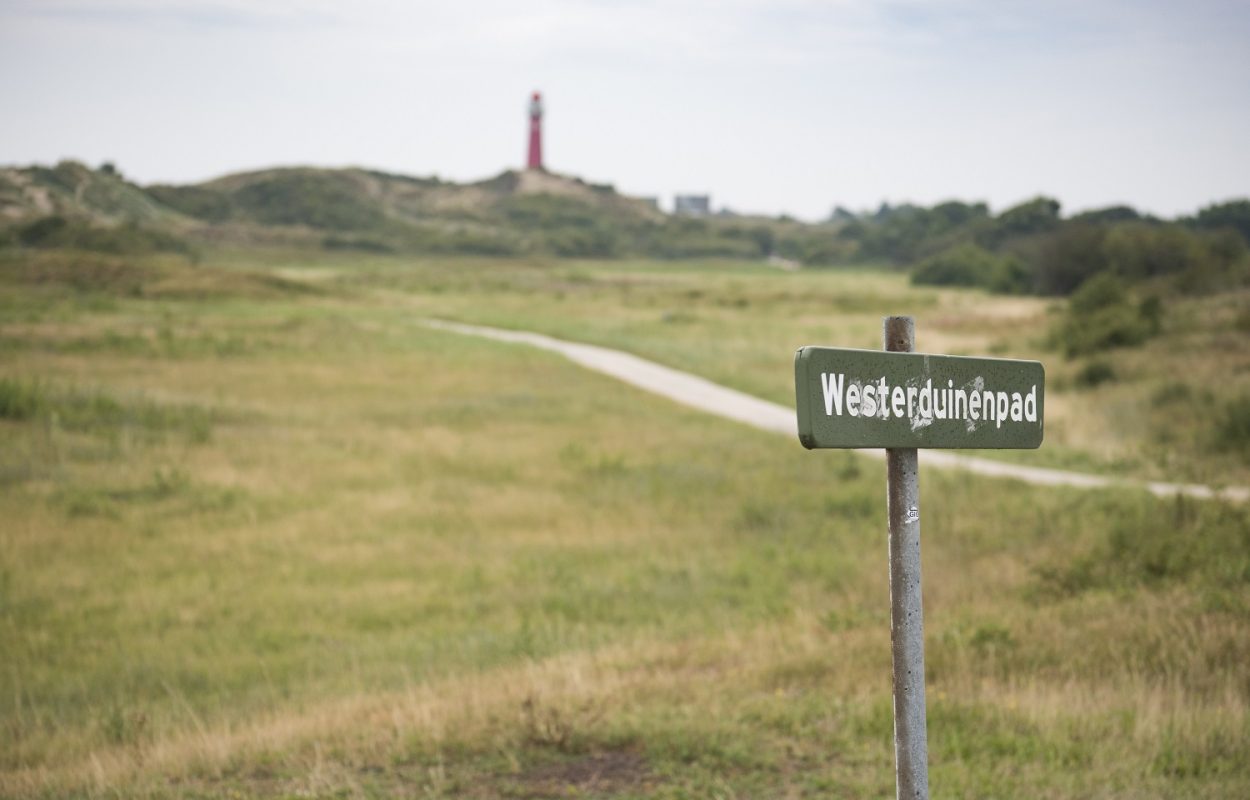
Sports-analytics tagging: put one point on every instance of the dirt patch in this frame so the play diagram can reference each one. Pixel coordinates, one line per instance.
(602, 773)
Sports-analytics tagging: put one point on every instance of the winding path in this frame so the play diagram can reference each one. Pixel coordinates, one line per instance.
(713, 398)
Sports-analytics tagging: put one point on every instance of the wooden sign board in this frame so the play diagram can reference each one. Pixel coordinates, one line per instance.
(850, 398)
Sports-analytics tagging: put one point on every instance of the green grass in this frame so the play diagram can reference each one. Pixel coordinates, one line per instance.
(404, 562)
(729, 322)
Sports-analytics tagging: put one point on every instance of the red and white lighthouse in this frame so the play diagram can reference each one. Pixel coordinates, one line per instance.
(535, 158)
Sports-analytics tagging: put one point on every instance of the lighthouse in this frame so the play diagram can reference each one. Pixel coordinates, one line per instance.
(535, 158)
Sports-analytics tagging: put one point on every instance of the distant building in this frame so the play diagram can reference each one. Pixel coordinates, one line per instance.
(534, 155)
(694, 205)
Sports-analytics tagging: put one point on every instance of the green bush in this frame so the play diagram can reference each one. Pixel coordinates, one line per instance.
(1234, 215)
(194, 201)
(19, 399)
(903, 234)
(1101, 315)
(55, 231)
(1038, 215)
(1171, 393)
(43, 232)
(1095, 373)
(1196, 261)
(326, 201)
(970, 265)
(565, 226)
(1204, 544)
(1242, 321)
(1098, 293)
(94, 412)
(1068, 257)
(1232, 428)
(761, 235)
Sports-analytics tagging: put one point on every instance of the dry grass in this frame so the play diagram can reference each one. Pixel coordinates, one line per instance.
(399, 562)
(730, 323)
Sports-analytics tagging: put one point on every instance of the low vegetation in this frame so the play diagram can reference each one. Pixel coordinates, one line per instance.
(512, 214)
(1027, 249)
(279, 539)
(728, 321)
(1101, 315)
(76, 234)
(1031, 248)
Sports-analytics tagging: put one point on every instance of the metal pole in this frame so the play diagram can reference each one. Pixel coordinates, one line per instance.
(911, 749)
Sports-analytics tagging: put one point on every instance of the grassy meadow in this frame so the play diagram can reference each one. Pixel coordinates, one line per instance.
(263, 534)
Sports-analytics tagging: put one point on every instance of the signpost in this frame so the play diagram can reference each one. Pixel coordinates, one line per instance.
(903, 401)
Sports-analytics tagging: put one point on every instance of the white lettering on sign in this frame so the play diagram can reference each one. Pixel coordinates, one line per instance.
(832, 391)
(975, 389)
(972, 402)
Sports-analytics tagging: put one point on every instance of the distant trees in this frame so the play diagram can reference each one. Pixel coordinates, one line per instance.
(1102, 315)
(971, 265)
(1109, 214)
(905, 234)
(129, 238)
(194, 201)
(1234, 215)
(1030, 247)
(1114, 262)
(1038, 215)
(325, 201)
(1068, 257)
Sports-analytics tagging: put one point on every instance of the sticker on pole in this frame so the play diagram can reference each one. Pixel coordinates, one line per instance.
(870, 398)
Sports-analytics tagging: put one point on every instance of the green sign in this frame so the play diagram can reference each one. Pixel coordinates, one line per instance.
(872, 398)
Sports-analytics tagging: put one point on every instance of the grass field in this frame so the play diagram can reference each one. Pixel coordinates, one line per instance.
(264, 534)
(1162, 413)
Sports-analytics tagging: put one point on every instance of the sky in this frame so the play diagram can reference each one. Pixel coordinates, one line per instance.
(769, 106)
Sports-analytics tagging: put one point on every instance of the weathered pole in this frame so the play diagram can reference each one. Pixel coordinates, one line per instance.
(911, 749)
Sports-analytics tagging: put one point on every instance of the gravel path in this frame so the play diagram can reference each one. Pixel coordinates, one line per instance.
(713, 398)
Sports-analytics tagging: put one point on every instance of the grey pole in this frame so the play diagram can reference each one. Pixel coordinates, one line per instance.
(911, 749)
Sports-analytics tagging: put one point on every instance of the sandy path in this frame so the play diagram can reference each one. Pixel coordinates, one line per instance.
(713, 398)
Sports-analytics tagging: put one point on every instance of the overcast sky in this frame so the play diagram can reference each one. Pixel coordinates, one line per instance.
(768, 105)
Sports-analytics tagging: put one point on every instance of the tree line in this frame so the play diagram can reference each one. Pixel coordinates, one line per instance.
(1032, 249)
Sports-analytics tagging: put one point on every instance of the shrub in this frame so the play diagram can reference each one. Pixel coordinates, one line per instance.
(1242, 320)
(1235, 215)
(55, 231)
(1172, 392)
(1203, 544)
(1095, 373)
(1097, 293)
(969, 265)
(20, 399)
(1197, 261)
(1232, 427)
(319, 200)
(1101, 316)
(1038, 215)
(1069, 257)
(194, 201)
(42, 231)
(1108, 215)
